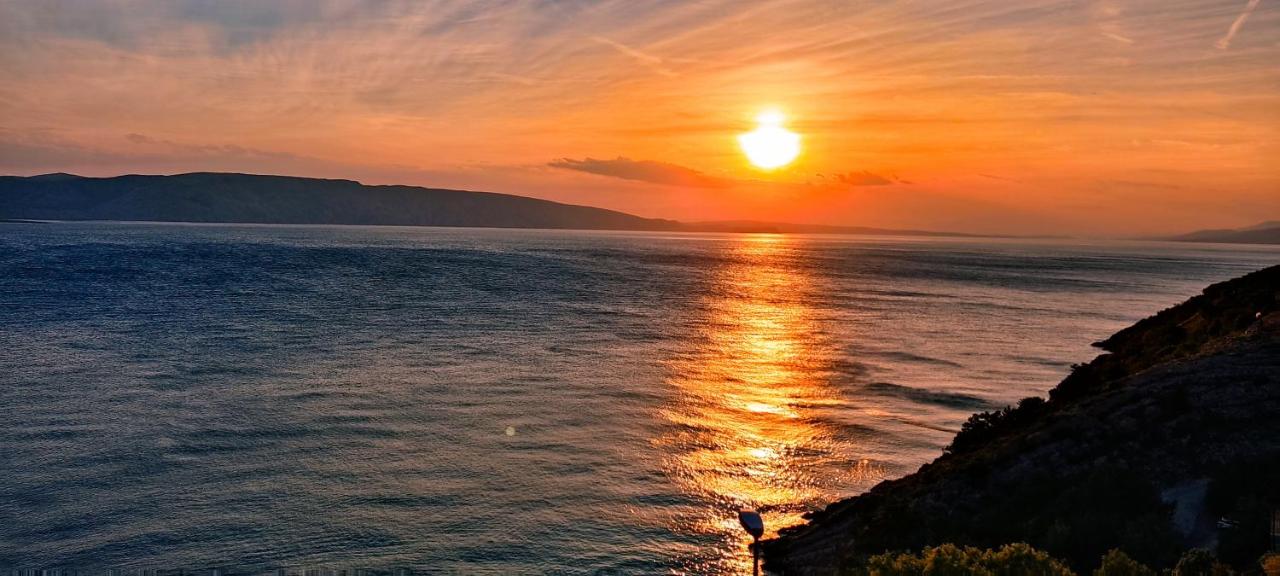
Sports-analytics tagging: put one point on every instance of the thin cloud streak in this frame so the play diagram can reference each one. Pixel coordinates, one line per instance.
(644, 171)
(649, 61)
(1225, 42)
(866, 178)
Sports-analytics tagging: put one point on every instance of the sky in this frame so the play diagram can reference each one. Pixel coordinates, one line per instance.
(1106, 118)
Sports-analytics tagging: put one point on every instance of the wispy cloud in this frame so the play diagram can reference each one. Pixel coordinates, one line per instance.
(24, 152)
(178, 148)
(1061, 94)
(1225, 41)
(648, 60)
(1118, 37)
(866, 178)
(643, 171)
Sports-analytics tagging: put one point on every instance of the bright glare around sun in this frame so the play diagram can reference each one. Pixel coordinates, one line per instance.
(770, 145)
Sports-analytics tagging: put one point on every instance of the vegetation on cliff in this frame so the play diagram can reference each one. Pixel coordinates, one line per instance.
(1023, 560)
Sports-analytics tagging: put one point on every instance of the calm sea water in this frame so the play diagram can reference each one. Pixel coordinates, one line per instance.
(508, 402)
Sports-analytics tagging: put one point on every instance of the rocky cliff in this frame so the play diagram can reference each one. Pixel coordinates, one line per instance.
(1170, 439)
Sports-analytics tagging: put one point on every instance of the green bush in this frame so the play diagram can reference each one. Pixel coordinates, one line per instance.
(1270, 563)
(1200, 562)
(952, 560)
(983, 426)
(1117, 563)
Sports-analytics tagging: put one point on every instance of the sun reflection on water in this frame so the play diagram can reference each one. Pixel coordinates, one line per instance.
(748, 427)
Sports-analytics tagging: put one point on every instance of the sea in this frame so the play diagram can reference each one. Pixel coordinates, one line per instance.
(262, 399)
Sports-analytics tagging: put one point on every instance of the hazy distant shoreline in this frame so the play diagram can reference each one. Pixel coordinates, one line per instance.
(690, 229)
(229, 198)
(234, 198)
(1263, 233)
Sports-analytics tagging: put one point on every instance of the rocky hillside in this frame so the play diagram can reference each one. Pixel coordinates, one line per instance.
(1169, 440)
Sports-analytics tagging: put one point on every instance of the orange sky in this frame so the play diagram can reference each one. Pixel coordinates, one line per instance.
(1107, 117)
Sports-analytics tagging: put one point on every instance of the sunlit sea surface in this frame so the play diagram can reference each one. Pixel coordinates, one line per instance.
(461, 401)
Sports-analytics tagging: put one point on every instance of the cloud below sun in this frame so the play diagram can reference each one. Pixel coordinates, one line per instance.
(650, 171)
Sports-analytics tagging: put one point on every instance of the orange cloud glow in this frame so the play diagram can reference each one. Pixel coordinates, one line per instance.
(1097, 117)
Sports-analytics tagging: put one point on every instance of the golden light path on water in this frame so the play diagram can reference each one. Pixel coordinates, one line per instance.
(752, 426)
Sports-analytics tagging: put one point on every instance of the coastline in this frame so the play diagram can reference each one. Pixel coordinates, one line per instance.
(1174, 406)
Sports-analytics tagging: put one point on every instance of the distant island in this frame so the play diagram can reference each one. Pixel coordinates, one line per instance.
(250, 198)
(1167, 442)
(261, 199)
(1264, 233)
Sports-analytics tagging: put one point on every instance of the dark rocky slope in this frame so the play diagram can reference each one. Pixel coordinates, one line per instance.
(1145, 448)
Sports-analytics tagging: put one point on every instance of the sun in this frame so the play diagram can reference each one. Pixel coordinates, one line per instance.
(770, 145)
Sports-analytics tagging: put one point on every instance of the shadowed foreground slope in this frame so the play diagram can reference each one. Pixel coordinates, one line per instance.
(1143, 449)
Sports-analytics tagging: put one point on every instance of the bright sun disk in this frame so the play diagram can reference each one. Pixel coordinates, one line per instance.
(770, 145)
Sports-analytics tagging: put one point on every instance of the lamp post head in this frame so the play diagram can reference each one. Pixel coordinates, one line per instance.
(752, 523)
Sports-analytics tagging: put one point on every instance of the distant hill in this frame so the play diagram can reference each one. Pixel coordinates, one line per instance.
(261, 199)
(1263, 233)
(248, 198)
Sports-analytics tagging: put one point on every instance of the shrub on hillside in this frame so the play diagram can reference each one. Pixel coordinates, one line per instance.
(1200, 562)
(1117, 563)
(952, 560)
(980, 428)
(1270, 564)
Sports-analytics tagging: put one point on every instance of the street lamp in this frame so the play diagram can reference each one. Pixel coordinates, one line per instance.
(754, 525)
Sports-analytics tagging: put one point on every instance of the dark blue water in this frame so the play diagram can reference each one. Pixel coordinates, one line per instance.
(508, 402)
